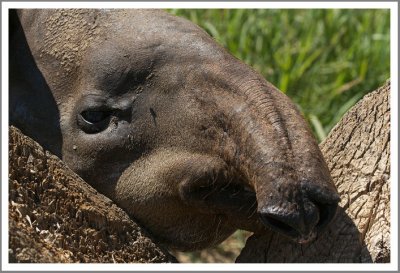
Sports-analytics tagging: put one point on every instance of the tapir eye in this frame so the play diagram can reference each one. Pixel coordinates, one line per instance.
(94, 116)
(94, 121)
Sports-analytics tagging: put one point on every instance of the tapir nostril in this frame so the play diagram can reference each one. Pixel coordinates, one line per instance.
(324, 199)
(282, 223)
(326, 214)
(301, 225)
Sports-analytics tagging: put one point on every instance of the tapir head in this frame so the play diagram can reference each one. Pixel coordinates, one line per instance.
(187, 139)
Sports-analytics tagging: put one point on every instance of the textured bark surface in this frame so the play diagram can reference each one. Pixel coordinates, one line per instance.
(54, 216)
(358, 155)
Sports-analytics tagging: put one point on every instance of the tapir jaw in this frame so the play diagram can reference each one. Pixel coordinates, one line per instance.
(291, 206)
(296, 209)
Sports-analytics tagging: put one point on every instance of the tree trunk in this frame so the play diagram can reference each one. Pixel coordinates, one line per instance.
(54, 216)
(358, 154)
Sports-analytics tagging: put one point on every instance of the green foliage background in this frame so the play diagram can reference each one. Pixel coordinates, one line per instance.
(324, 59)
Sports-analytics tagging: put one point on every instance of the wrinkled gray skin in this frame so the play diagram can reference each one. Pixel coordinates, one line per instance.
(149, 110)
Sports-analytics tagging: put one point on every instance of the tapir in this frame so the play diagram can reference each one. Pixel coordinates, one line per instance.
(153, 113)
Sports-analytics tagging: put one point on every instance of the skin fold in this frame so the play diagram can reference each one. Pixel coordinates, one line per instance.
(153, 113)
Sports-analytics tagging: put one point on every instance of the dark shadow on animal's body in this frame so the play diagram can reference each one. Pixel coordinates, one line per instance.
(29, 91)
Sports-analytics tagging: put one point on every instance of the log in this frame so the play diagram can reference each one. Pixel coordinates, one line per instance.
(54, 216)
(357, 152)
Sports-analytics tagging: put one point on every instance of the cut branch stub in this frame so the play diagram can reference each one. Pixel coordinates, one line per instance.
(357, 152)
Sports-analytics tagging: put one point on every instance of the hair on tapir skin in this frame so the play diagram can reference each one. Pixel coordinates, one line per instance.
(154, 114)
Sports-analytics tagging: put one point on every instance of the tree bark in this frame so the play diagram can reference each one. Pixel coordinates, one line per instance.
(54, 216)
(358, 155)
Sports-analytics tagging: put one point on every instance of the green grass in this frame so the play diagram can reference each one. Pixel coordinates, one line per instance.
(325, 60)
